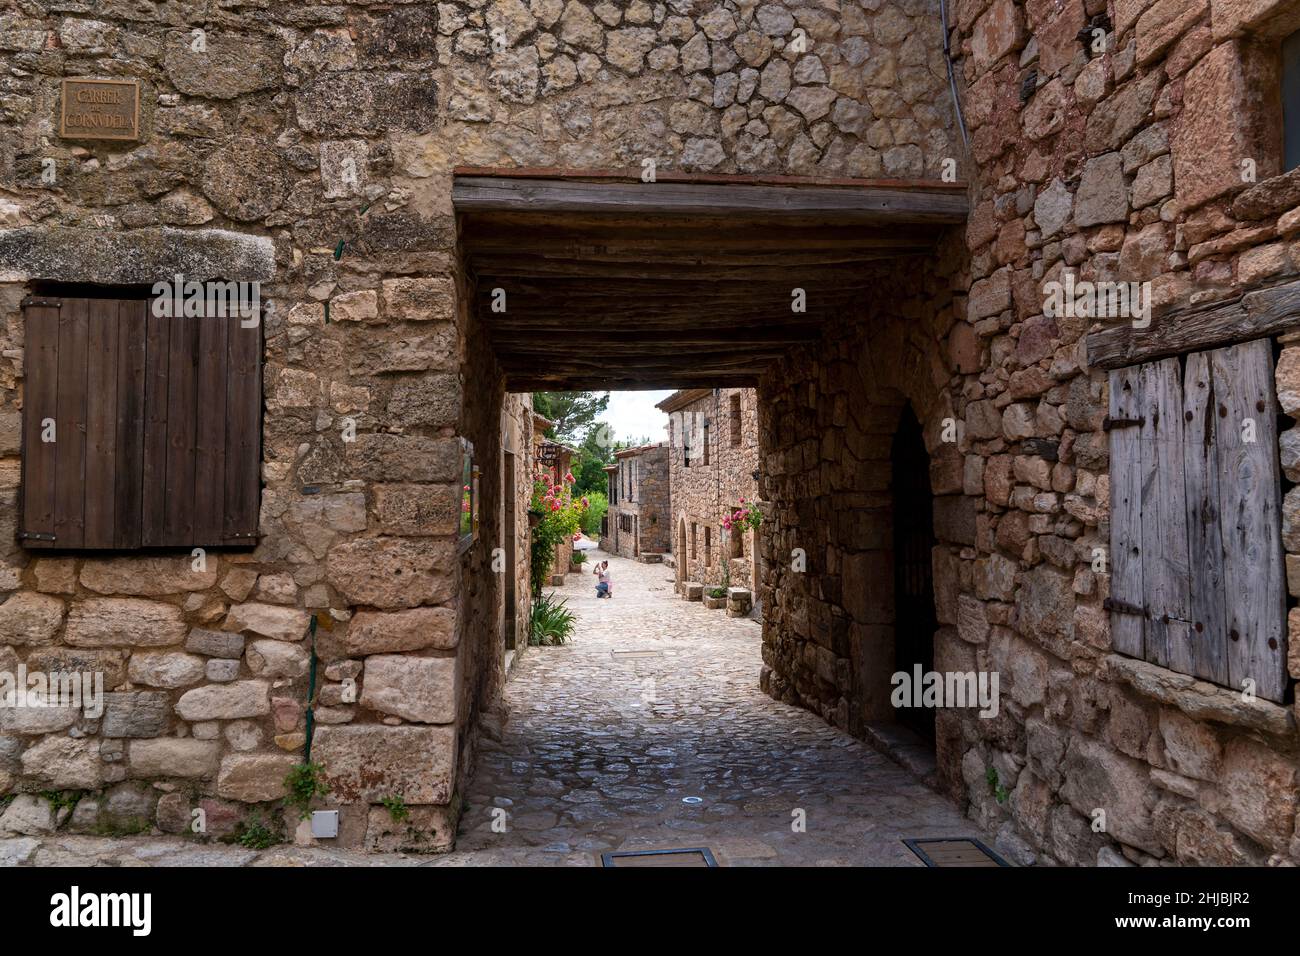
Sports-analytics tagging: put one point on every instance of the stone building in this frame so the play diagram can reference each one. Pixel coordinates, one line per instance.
(638, 521)
(714, 462)
(427, 209)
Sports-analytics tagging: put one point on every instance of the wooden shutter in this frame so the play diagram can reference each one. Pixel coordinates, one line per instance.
(157, 427)
(1197, 581)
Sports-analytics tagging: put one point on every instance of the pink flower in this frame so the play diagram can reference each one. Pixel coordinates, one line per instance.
(742, 501)
(585, 502)
(555, 506)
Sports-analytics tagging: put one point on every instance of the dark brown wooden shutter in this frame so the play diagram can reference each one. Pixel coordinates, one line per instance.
(1197, 582)
(158, 427)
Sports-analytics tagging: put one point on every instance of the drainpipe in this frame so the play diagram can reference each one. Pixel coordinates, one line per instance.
(952, 79)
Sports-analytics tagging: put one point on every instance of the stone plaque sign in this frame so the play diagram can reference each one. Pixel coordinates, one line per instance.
(100, 109)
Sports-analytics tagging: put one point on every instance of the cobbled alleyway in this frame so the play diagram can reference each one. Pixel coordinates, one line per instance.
(656, 699)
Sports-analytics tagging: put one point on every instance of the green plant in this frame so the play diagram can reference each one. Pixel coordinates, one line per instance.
(556, 518)
(62, 799)
(597, 508)
(551, 622)
(717, 592)
(305, 782)
(1000, 793)
(254, 834)
(397, 808)
(578, 557)
(742, 519)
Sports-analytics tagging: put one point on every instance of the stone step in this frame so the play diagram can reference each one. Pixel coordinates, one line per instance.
(693, 591)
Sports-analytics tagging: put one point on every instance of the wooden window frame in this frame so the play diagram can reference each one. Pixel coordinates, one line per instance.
(1291, 102)
(137, 424)
(1197, 582)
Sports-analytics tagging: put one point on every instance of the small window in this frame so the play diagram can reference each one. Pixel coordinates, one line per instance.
(708, 546)
(735, 421)
(706, 443)
(1197, 583)
(1291, 101)
(694, 538)
(139, 429)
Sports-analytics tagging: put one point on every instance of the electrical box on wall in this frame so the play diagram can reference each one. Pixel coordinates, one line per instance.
(324, 823)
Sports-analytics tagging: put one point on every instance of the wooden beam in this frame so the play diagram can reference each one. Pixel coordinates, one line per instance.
(1260, 313)
(675, 176)
(867, 205)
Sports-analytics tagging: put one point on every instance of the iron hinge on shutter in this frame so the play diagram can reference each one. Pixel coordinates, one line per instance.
(1108, 423)
(244, 534)
(35, 302)
(1123, 607)
(34, 536)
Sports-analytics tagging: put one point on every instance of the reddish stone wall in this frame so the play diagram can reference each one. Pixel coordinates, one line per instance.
(1121, 163)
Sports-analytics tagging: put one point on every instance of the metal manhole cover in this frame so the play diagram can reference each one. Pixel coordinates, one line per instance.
(685, 856)
(634, 655)
(960, 852)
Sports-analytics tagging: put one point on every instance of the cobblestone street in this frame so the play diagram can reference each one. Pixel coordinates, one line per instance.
(657, 700)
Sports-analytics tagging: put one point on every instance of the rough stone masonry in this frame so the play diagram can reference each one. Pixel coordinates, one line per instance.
(311, 149)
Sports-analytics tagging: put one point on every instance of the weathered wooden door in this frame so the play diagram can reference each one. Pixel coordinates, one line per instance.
(915, 620)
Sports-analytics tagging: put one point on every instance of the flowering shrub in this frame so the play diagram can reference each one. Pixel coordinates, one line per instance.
(743, 518)
(557, 518)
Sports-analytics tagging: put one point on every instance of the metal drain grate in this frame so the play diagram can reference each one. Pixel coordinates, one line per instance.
(634, 655)
(686, 856)
(959, 852)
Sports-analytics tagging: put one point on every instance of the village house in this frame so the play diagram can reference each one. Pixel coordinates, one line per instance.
(714, 468)
(1013, 300)
(637, 524)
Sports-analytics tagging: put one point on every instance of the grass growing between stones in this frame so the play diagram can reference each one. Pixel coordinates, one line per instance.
(304, 783)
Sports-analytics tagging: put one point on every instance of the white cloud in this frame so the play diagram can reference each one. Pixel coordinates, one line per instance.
(633, 416)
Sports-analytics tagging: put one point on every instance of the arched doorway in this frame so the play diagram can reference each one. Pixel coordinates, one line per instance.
(915, 620)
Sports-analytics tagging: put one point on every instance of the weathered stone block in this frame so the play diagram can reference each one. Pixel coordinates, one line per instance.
(277, 659)
(269, 620)
(146, 577)
(371, 632)
(418, 509)
(369, 762)
(174, 669)
(215, 643)
(254, 778)
(172, 757)
(133, 622)
(426, 830)
(422, 689)
(249, 698)
(135, 714)
(64, 763)
(28, 618)
(393, 572)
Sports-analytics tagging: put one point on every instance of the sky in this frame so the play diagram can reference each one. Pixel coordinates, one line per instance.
(633, 416)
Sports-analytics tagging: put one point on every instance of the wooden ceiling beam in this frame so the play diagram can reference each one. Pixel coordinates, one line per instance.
(873, 204)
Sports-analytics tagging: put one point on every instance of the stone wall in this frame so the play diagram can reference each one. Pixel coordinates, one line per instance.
(640, 480)
(1112, 162)
(704, 493)
(311, 149)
